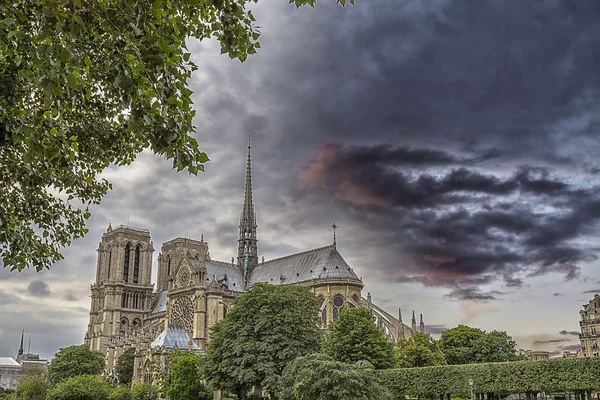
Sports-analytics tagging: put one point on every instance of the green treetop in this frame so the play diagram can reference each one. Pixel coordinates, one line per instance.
(73, 361)
(496, 346)
(124, 366)
(354, 337)
(185, 380)
(421, 350)
(81, 387)
(267, 327)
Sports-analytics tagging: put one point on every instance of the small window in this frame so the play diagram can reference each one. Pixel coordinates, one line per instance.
(338, 303)
(136, 264)
(126, 264)
(324, 317)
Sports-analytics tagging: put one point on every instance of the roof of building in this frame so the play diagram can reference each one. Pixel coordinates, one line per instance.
(218, 270)
(160, 302)
(9, 362)
(173, 338)
(322, 263)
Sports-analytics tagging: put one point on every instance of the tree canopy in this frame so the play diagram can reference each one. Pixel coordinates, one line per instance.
(496, 346)
(87, 84)
(319, 377)
(267, 327)
(185, 380)
(457, 344)
(74, 361)
(144, 391)
(124, 366)
(354, 337)
(421, 350)
(32, 387)
(82, 387)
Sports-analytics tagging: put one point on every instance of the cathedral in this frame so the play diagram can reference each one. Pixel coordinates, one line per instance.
(193, 291)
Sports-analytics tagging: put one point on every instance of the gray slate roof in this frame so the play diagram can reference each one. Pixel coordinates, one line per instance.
(218, 269)
(322, 263)
(160, 302)
(173, 338)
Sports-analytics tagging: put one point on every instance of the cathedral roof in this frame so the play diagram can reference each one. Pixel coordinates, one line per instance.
(160, 302)
(322, 263)
(173, 338)
(219, 270)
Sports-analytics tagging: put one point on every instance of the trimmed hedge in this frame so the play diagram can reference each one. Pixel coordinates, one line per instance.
(551, 376)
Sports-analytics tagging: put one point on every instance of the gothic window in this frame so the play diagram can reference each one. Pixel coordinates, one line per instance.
(109, 260)
(136, 324)
(324, 317)
(169, 265)
(338, 303)
(126, 264)
(183, 278)
(124, 326)
(356, 300)
(136, 264)
(182, 313)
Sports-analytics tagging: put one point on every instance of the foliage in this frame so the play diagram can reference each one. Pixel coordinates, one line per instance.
(186, 379)
(73, 361)
(496, 346)
(124, 366)
(144, 391)
(319, 377)
(86, 84)
(354, 337)
(82, 387)
(552, 376)
(32, 387)
(421, 350)
(457, 344)
(121, 393)
(268, 327)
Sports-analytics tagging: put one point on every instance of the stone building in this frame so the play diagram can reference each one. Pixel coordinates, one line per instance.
(10, 370)
(590, 327)
(193, 291)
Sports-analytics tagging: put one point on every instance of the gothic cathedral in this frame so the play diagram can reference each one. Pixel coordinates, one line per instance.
(193, 292)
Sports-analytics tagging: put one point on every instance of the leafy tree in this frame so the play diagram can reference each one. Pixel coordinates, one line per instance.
(124, 366)
(32, 387)
(457, 344)
(319, 377)
(186, 379)
(73, 361)
(144, 391)
(121, 393)
(268, 327)
(86, 84)
(354, 337)
(82, 387)
(421, 350)
(495, 346)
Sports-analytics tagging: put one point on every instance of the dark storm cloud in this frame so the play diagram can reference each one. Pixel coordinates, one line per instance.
(569, 333)
(551, 341)
(571, 347)
(38, 289)
(473, 294)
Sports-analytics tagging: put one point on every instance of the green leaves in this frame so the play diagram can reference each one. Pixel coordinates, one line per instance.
(354, 337)
(73, 361)
(421, 350)
(124, 366)
(186, 380)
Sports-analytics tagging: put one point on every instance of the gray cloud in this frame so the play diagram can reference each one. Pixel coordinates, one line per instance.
(38, 288)
(569, 333)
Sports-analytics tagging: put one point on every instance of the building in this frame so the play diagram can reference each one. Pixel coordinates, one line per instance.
(10, 370)
(536, 355)
(590, 326)
(570, 354)
(193, 291)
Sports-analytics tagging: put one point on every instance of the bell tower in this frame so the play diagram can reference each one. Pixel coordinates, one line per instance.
(122, 292)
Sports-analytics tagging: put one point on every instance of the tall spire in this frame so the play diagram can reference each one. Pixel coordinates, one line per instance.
(247, 243)
(334, 226)
(401, 329)
(422, 325)
(414, 323)
(21, 347)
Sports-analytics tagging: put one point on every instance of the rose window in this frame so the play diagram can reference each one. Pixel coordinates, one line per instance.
(182, 313)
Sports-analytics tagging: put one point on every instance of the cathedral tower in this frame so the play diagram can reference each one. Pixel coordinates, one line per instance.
(123, 291)
(247, 258)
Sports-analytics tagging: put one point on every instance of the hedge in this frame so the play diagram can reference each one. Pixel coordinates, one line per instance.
(580, 375)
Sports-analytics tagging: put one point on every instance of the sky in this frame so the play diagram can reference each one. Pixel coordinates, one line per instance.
(454, 144)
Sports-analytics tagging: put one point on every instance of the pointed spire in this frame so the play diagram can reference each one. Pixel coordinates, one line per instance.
(369, 303)
(21, 346)
(334, 226)
(414, 323)
(247, 243)
(401, 329)
(422, 325)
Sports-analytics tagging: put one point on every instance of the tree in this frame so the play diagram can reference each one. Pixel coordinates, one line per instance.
(186, 379)
(267, 327)
(121, 393)
(73, 361)
(457, 344)
(124, 366)
(319, 377)
(495, 346)
(87, 84)
(32, 387)
(82, 387)
(354, 337)
(144, 391)
(421, 350)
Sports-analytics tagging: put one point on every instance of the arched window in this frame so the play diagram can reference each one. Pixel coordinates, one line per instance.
(323, 312)
(126, 264)
(136, 264)
(109, 261)
(338, 303)
(356, 300)
(124, 327)
(169, 265)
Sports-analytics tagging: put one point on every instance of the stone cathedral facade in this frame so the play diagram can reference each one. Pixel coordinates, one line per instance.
(193, 291)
